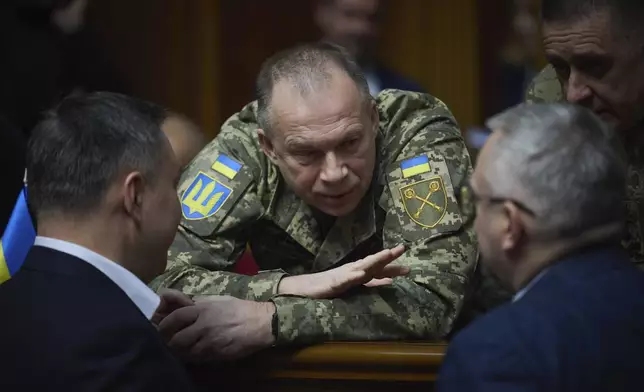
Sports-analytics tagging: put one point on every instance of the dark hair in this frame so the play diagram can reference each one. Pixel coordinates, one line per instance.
(628, 13)
(306, 67)
(83, 144)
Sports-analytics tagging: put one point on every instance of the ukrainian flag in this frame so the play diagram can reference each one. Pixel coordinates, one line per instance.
(226, 166)
(18, 237)
(413, 166)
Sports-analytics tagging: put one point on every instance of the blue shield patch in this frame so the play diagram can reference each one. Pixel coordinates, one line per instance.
(204, 197)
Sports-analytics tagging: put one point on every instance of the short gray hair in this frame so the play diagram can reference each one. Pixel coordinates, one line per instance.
(563, 162)
(307, 68)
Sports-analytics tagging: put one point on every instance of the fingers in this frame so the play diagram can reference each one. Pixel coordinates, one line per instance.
(379, 282)
(379, 260)
(171, 300)
(392, 271)
(178, 320)
(183, 341)
(398, 250)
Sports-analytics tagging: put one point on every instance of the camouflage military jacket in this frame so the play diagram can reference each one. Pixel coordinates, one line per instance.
(231, 195)
(547, 88)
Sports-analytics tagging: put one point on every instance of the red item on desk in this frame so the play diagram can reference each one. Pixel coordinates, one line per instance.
(246, 265)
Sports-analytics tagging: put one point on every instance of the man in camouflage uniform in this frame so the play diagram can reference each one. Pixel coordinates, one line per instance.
(610, 81)
(595, 54)
(316, 176)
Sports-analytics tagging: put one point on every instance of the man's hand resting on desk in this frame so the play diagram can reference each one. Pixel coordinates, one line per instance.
(374, 270)
(218, 327)
(223, 327)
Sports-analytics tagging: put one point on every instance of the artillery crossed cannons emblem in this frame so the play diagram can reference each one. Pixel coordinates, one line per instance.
(425, 201)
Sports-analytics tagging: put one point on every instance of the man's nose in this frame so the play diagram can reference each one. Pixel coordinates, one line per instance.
(577, 90)
(333, 170)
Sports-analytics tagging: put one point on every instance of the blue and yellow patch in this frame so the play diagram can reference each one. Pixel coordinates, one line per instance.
(226, 166)
(204, 197)
(413, 166)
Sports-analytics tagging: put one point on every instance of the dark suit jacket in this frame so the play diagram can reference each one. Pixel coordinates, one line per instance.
(67, 327)
(579, 328)
(12, 168)
(391, 79)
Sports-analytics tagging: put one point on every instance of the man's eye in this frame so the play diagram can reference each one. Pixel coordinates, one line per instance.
(562, 70)
(350, 143)
(304, 157)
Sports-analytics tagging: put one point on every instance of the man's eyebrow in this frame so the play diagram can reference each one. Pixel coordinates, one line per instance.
(297, 142)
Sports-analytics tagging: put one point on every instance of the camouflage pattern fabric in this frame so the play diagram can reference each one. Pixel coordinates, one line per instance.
(224, 210)
(546, 88)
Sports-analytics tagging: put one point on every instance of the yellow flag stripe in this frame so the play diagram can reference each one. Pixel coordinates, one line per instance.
(225, 170)
(412, 171)
(4, 270)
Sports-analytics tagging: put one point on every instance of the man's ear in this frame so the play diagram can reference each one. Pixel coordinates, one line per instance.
(513, 228)
(267, 145)
(374, 117)
(133, 194)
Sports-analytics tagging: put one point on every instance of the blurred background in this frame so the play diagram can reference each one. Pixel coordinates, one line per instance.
(200, 57)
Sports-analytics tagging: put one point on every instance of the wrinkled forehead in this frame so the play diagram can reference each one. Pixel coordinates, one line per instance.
(592, 32)
(335, 106)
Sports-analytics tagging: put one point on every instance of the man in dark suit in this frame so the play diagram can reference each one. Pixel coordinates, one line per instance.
(102, 186)
(12, 164)
(548, 190)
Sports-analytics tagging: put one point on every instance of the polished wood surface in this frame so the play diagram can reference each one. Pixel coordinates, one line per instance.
(339, 366)
(355, 361)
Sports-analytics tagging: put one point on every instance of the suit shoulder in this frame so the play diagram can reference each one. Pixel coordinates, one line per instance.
(393, 79)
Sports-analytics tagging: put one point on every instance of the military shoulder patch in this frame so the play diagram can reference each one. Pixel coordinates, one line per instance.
(226, 166)
(423, 200)
(414, 166)
(204, 197)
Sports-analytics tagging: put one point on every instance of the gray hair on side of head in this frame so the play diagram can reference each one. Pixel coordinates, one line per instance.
(563, 162)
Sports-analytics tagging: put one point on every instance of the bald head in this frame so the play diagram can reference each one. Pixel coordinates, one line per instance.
(185, 137)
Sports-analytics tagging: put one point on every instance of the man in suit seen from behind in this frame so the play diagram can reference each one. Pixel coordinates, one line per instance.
(548, 192)
(102, 183)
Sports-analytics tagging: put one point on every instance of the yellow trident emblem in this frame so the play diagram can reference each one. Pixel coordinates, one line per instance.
(425, 201)
(204, 197)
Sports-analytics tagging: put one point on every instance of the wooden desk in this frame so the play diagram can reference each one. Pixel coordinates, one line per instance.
(368, 366)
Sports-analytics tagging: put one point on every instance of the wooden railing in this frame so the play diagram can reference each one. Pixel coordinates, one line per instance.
(368, 366)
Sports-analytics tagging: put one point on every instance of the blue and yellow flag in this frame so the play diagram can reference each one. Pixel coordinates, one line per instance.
(18, 237)
(418, 165)
(226, 166)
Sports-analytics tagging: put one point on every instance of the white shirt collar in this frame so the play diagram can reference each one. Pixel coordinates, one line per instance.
(144, 298)
(372, 81)
(527, 287)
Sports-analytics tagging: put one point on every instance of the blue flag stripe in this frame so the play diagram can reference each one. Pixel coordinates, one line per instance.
(19, 235)
(414, 162)
(224, 160)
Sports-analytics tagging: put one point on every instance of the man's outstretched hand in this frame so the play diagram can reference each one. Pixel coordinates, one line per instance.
(373, 270)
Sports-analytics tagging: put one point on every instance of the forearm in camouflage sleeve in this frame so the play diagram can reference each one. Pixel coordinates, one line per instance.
(422, 305)
(195, 268)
